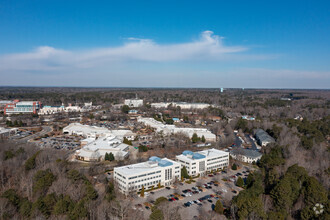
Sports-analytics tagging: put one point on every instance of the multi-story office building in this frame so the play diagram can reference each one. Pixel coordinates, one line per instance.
(203, 161)
(22, 107)
(149, 174)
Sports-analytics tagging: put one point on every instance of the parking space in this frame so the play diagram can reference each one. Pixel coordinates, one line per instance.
(201, 194)
(61, 142)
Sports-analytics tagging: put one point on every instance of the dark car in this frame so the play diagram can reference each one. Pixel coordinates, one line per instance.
(152, 192)
(176, 198)
(183, 195)
(167, 187)
(234, 191)
(216, 184)
(210, 201)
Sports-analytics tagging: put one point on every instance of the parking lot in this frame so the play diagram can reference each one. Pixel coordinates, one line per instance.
(201, 194)
(60, 142)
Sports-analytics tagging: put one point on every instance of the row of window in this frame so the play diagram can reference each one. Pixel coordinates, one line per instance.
(137, 181)
(147, 174)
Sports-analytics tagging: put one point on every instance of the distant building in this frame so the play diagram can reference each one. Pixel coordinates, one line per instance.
(245, 155)
(3, 104)
(182, 105)
(134, 103)
(263, 138)
(148, 174)
(203, 161)
(93, 132)
(17, 107)
(176, 119)
(249, 118)
(172, 129)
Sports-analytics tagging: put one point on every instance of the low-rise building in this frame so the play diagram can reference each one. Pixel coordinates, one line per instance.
(245, 155)
(198, 163)
(95, 150)
(172, 129)
(85, 130)
(5, 133)
(263, 137)
(182, 105)
(134, 103)
(148, 174)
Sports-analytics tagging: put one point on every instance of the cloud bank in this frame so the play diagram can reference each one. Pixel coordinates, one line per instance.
(208, 47)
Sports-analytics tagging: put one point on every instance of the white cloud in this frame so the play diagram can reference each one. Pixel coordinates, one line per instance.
(208, 47)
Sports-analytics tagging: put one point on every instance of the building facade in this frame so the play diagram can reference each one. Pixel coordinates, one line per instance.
(17, 107)
(201, 162)
(245, 155)
(135, 103)
(150, 174)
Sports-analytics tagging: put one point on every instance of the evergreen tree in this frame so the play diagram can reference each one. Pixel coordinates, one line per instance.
(111, 157)
(239, 182)
(156, 215)
(203, 139)
(184, 172)
(194, 138)
(106, 157)
(234, 167)
(218, 207)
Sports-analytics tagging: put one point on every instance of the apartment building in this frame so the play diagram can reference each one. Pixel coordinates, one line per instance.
(149, 174)
(203, 161)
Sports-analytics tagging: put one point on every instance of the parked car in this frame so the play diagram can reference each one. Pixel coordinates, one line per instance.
(167, 187)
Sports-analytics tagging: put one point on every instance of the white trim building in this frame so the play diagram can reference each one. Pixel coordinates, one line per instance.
(182, 105)
(149, 174)
(172, 129)
(96, 149)
(245, 155)
(134, 102)
(203, 161)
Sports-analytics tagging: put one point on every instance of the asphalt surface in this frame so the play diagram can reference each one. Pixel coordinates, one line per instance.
(45, 130)
(226, 187)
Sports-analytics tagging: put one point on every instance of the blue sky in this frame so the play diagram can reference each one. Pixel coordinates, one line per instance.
(250, 44)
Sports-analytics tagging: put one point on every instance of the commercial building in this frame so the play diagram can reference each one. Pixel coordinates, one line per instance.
(48, 110)
(245, 155)
(263, 137)
(17, 107)
(172, 129)
(134, 103)
(148, 174)
(93, 132)
(85, 130)
(3, 104)
(5, 133)
(182, 105)
(94, 149)
(198, 163)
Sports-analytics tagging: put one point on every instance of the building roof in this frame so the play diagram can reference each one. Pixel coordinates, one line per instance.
(210, 153)
(246, 152)
(138, 168)
(263, 136)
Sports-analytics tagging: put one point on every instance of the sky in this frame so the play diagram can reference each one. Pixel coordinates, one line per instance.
(202, 44)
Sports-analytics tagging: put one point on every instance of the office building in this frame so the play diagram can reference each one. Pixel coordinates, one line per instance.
(245, 155)
(134, 103)
(17, 107)
(198, 163)
(149, 174)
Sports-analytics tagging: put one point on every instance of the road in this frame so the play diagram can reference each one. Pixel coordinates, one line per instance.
(45, 130)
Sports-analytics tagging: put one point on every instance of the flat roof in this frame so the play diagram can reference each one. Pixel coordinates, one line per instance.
(210, 153)
(148, 166)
